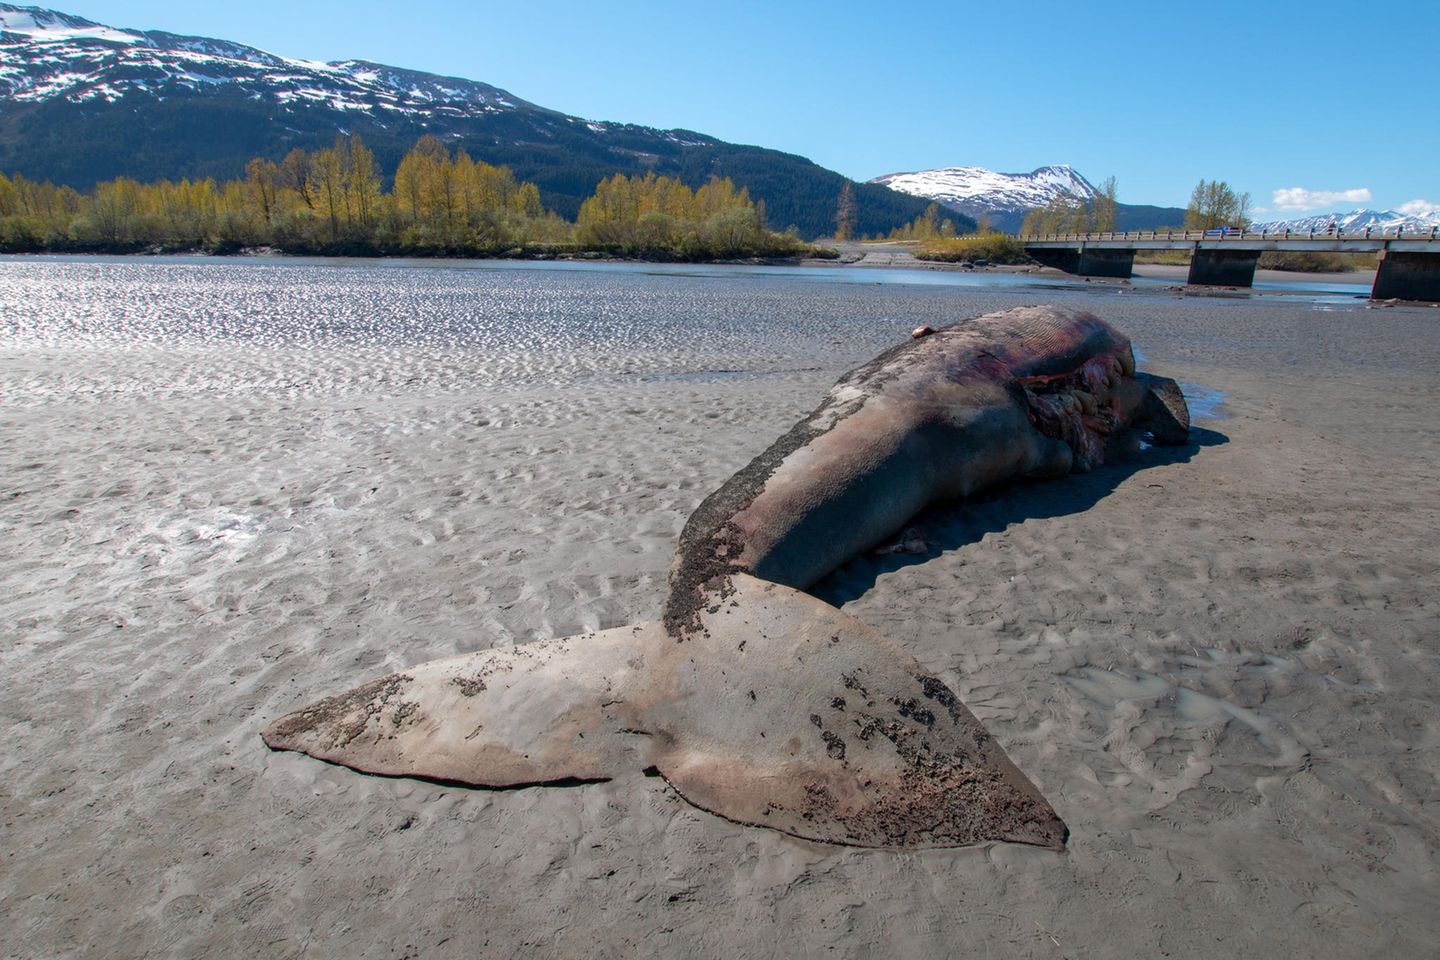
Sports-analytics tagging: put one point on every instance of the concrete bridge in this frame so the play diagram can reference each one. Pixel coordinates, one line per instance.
(1409, 263)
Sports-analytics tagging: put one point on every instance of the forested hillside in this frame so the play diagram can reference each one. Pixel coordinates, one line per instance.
(81, 103)
(335, 201)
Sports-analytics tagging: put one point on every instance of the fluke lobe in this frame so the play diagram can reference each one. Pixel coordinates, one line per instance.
(752, 699)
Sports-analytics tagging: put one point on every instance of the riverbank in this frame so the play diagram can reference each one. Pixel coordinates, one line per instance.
(225, 497)
(793, 253)
(871, 254)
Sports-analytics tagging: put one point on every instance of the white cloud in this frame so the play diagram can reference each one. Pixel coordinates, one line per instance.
(1418, 208)
(1299, 199)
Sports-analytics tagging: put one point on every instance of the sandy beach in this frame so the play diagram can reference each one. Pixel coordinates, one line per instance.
(1219, 663)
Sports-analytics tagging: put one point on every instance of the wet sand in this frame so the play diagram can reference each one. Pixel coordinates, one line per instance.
(1218, 663)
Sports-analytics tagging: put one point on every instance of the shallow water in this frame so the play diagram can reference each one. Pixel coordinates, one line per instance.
(1205, 403)
(533, 321)
(1328, 291)
(317, 327)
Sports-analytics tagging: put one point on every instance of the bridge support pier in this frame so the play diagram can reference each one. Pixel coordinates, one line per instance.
(1058, 257)
(1223, 268)
(1407, 276)
(1088, 262)
(1106, 263)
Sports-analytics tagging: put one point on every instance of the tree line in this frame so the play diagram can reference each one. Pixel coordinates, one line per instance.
(1213, 203)
(662, 218)
(930, 226)
(1072, 215)
(334, 201)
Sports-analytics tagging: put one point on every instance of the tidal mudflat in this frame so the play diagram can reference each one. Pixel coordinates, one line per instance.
(230, 488)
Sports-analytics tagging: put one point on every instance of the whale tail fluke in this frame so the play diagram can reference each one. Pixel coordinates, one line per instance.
(776, 710)
(796, 716)
(555, 711)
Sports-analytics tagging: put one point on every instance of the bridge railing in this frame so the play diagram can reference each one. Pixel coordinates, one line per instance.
(1332, 234)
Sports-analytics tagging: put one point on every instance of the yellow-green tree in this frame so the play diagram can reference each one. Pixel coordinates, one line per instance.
(183, 214)
(1104, 207)
(661, 216)
(113, 211)
(295, 176)
(1063, 214)
(845, 212)
(9, 197)
(429, 196)
(347, 185)
(1213, 203)
(929, 225)
(36, 215)
(458, 201)
(362, 181)
(262, 184)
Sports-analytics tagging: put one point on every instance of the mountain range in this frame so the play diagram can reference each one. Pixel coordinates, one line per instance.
(1005, 198)
(1356, 221)
(82, 102)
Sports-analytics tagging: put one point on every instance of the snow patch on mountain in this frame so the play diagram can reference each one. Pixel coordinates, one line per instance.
(975, 190)
(51, 25)
(45, 54)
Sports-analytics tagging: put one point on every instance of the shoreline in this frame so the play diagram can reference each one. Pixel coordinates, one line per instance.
(870, 255)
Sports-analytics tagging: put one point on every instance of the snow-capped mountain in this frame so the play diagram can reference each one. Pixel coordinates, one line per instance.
(1005, 198)
(976, 190)
(45, 55)
(1356, 221)
(82, 102)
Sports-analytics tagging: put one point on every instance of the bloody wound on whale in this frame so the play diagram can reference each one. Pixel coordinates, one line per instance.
(754, 700)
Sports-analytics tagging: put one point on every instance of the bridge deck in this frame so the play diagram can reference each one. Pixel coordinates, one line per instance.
(1238, 240)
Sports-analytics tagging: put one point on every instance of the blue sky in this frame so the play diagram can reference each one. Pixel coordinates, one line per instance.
(1335, 104)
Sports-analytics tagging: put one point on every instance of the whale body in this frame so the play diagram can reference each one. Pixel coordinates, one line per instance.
(753, 699)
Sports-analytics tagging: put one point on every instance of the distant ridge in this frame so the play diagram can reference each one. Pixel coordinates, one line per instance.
(82, 102)
(1356, 221)
(986, 191)
(1005, 198)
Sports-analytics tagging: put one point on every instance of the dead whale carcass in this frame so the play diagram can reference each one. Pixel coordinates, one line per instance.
(754, 700)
